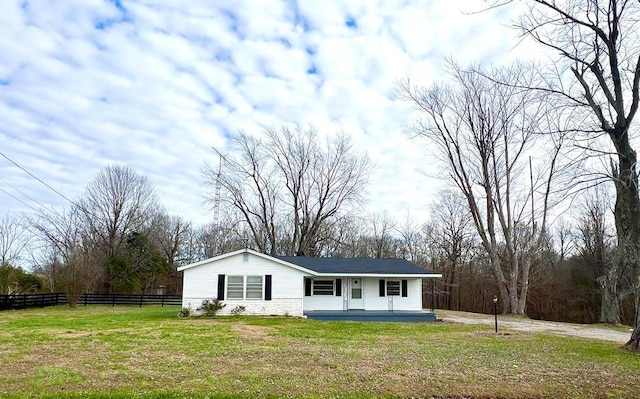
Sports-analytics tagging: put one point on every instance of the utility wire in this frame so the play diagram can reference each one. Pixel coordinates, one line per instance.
(22, 192)
(37, 178)
(19, 200)
(82, 208)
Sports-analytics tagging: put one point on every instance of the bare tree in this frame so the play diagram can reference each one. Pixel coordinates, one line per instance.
(116, 203)
(288, 185)
(482, 131)
(593, 231)
(597, 250)
(169, 234)
(209, 240)
(70, 262)
(563, 238)
(412, 241)
(451, 238)
(344, 237)
(251, 188)
(13, 238)
(382, 229)
(598, 70)
(45, 262)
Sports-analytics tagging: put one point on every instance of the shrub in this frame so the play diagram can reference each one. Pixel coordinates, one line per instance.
(184, 312)
(211, 307)
(238, 310)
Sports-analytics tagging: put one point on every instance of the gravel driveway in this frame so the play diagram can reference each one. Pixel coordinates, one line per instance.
(521, 324)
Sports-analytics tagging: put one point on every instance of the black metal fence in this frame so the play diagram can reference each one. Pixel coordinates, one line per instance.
(59, 298)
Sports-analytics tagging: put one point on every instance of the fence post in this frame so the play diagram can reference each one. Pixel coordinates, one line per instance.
(141, 300)
(162, 300)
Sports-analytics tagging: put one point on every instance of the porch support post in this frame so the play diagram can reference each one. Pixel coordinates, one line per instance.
(345, 294)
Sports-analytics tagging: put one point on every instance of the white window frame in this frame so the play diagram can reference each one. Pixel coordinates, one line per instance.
(230, 292)
(333, 288)
(246, 287)
(247, 290)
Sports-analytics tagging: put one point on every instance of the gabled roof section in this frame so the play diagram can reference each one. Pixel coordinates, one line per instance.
(334, 266)
(358, 266)
(240, 251)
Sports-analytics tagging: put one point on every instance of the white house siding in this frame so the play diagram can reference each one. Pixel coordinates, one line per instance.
(373, 300)
(201, 282)
(324, 302)
(371, 295)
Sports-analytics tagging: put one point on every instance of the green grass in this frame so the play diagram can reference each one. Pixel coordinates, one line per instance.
(150, 353)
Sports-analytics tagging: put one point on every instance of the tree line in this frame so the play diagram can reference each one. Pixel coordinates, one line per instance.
(116, 239)
(581, 106)
(517, 143)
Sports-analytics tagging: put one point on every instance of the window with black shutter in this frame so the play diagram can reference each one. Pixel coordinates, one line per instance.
(323, 287)
(307, 287)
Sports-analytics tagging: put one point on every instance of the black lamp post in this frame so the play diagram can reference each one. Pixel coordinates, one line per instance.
(495, 310)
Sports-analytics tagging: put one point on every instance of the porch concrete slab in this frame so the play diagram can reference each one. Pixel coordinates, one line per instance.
(372, 315)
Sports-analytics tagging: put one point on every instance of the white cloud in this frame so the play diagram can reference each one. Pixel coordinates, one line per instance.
(155, 84)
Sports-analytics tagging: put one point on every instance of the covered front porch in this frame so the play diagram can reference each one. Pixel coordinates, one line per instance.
(409, 316)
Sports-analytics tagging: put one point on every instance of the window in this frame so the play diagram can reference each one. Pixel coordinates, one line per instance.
(237, 289)
(322, 287)
(254, 287)
(307, 286)
(393, 288)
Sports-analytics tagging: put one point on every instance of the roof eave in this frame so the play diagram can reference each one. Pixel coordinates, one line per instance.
(305, 269)
(251, 251)
(385, 275)
(212, 259)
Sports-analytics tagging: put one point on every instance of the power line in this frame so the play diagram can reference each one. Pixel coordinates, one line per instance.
(22, 192)
(19, 200)
(37, 178)
(79, 206)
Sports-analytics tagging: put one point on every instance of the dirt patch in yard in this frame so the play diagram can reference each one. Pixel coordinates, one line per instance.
(518, 323)
(251, 333)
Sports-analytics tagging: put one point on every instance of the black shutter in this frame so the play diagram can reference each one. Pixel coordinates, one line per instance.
(267, 287)
(338, 287)
(221, 287)
(382, 287)
(307, 287)
(404, 288)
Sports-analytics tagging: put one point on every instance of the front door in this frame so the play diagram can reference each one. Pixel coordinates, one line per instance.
(355, 294)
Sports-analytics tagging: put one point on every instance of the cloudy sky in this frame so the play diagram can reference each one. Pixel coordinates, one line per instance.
(155, 84)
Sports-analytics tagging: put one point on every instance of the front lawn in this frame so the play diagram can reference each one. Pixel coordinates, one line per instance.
(150, 353)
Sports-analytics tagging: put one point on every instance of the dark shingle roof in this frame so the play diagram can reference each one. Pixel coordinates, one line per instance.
(355, 265)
